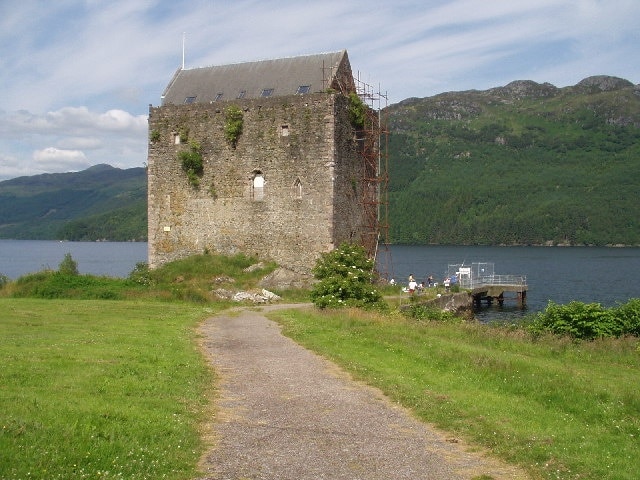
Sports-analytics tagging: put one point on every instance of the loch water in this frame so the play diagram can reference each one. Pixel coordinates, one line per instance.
(112, 259)
(608, 276)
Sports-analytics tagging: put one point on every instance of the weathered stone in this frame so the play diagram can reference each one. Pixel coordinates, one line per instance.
(282, 279)
(304, 149)
(270, 296)
(223, 293)
(223, 279)
(254, 267)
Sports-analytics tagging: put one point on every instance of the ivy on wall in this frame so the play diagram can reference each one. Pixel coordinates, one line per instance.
(357, 111)
(192, 164)
(233, 125)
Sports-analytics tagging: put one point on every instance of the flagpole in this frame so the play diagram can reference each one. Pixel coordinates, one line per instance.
(184, 34)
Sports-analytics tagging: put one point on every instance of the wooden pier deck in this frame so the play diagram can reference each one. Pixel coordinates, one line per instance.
(491, 292)
(485, 286)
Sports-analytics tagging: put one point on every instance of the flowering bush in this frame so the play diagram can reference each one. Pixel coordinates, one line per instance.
(345, 279)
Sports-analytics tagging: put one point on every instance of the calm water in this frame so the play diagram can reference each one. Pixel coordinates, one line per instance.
(561, 274)
(113, 259)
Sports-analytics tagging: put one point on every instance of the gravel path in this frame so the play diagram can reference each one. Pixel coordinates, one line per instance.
(285, 413)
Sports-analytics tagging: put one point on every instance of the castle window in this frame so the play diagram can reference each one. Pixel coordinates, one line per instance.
(189, 100)
(218, 97)
(241, 94)
(284, 131)
(297, 188)
(303, 89)
(266, 92)
(257, 186)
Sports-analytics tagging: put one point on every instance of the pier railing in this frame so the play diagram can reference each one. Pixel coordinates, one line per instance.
(493, 280)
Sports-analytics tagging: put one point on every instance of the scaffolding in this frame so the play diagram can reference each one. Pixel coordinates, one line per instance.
(373, 148)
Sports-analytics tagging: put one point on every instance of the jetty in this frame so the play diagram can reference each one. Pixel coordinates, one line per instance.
(484, 285)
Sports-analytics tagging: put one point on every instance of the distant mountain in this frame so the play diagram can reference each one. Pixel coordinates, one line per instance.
(100, 203)
(522, 164)
(526, 163)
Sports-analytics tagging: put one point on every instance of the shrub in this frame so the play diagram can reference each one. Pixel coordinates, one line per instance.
(154, 135)
(628, 316)
(192, 163)
(50, 285)
(345, 279)
(68, 266)
(578, 320)
(422, 312)
(141, 274)
(233, 125)
(357, 111)
(3, 280)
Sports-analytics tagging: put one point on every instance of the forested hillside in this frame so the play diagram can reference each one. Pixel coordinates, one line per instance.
(527, 163)
(100, 203)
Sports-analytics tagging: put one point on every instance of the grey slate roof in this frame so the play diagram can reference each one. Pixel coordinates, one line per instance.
(283, 75)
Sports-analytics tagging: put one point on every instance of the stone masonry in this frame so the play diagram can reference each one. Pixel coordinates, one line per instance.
(290, 189)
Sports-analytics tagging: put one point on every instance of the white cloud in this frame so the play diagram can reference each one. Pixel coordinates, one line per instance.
(70, 138)
(55, 159)
(80, 143)
(78, 75)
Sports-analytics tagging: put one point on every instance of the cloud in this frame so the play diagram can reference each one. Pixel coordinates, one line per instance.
(80, 74)
(57, 160)
(70, 138)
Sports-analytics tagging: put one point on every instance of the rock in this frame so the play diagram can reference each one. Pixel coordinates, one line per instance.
(519, 89)
(270, 296)
(603, 83)
(264, 297)
(282, 279)
(223, 279)
(254, 267)
(251, 297)
(223, 293)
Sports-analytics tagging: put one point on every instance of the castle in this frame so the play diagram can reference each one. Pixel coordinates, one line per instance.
(261, 158)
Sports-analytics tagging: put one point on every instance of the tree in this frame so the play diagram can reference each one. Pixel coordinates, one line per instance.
(68, 266)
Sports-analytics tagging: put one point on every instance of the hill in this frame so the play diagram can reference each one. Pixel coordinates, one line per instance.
(526, 163)
(100, 203)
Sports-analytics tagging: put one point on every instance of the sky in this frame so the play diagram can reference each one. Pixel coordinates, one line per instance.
(78, 76)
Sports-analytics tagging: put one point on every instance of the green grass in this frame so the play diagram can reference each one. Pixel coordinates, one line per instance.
(191, 279)
(101, 389)
(560, 409)
(98, 388)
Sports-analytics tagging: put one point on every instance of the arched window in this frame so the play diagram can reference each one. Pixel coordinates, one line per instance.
(257, 186)
(297, 188)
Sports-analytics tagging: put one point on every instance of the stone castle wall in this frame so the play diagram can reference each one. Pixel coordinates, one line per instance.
(303, 148)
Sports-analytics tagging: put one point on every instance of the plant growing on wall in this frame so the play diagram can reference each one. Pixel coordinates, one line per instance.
(154, 135)
(183, 133)
(233, 125)
(357, 111)
(191, 161)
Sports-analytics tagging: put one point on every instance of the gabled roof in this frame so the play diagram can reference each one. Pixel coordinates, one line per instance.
(283, 76)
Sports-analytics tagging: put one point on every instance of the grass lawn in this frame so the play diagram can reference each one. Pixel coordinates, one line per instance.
(559, 408)
(118, 389)
(101, 389)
